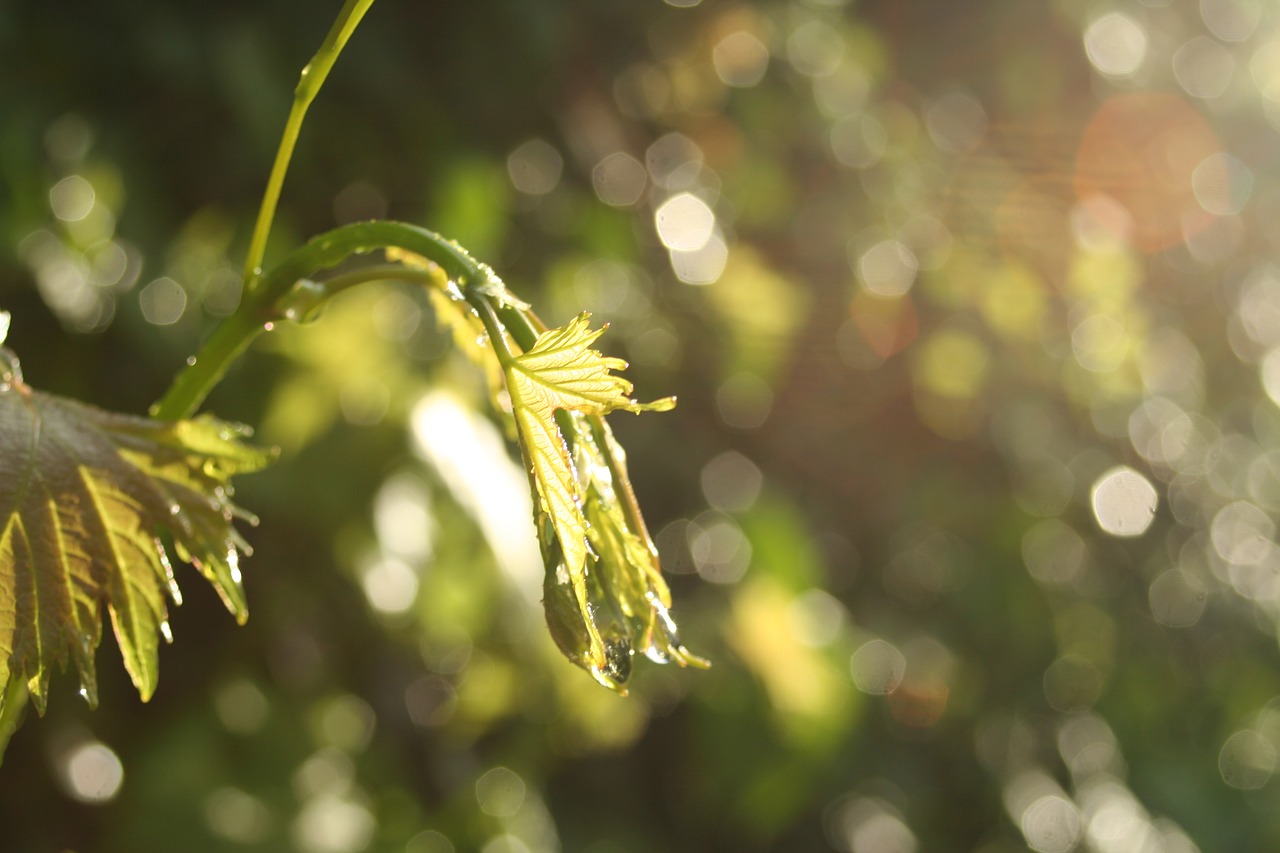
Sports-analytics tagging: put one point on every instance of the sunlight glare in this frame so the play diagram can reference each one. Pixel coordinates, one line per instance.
(877, 667)
(92, 773)
(1124, 502)
(1116, 44)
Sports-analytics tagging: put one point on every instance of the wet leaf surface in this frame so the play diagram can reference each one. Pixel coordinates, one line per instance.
(84, 496)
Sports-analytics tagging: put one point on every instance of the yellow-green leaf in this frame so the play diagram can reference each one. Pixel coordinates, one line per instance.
(84, 495)
(562, 372)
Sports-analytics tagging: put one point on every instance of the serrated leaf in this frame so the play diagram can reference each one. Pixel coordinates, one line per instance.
(84, 494)
(561, 371)
(601, 605)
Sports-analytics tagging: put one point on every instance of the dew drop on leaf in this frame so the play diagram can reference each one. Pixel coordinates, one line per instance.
(303, 303)
(617, 667)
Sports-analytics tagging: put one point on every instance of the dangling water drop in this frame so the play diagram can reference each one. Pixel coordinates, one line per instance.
(88, 688)
(616, 669)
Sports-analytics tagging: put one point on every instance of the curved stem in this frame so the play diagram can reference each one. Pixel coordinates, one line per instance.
(309, 83)
(278, 291)
(497, 334)
(253, 316)
(205, 370)
(382, 272)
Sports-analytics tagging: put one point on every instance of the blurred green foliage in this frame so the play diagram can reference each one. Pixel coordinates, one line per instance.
(947, 292)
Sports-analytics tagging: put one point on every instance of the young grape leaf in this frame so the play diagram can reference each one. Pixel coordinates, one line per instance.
(604, 603)
(84, 494)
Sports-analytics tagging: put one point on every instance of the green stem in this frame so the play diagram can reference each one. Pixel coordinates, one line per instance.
(497, 334)
(312, 78)
(278, 291)
(192, 385)
(382, 272)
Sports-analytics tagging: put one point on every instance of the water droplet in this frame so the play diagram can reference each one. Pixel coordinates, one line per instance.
(191, 361)
(454, 293)
(89, 688)
(615, 672)
(166, 631)
(268, 326)
(302, 305)
(10, 370)
(657, 655)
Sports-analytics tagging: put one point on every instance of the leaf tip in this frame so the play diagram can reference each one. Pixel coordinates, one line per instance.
(662, 404)
(37, 690)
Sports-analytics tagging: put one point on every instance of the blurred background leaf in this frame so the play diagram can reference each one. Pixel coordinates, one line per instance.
(971, 492)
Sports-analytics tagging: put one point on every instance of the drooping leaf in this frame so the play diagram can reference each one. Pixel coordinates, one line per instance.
(602, 604)
(84, 496)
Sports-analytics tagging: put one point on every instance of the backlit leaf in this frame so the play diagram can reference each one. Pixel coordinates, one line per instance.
(605, 603)
(84, 496)
(561, 371)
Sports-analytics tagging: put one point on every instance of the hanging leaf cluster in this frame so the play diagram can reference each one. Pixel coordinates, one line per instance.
(604, 594)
